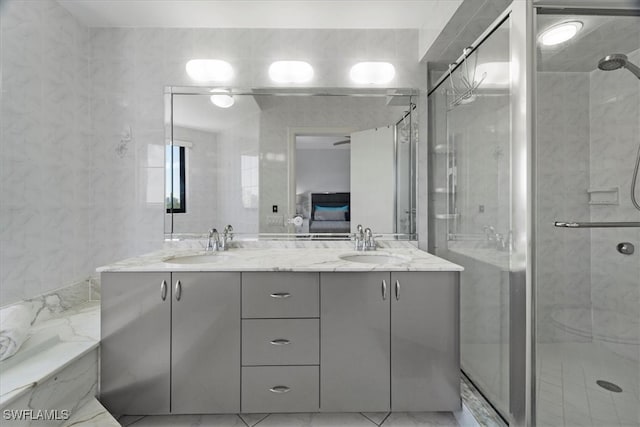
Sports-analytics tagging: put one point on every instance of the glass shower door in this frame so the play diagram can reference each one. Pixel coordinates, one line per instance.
(587, 275)
(471, 206)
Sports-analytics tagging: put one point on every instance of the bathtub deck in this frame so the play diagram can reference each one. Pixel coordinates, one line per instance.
(52, 346)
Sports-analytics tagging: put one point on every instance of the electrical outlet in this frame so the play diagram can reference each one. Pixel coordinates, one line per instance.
(274, 208)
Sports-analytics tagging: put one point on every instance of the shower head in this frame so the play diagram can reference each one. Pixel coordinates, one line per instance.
(612, 62)
(616, 61)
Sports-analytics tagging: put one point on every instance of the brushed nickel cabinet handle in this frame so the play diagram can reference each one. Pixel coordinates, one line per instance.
(280, 341)
(280, 389)
(178, 290)
(163, 290)
(384, 289)
(397, 290)
(280, 295)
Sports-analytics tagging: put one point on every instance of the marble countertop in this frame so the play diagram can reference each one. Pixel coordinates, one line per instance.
(321, 258)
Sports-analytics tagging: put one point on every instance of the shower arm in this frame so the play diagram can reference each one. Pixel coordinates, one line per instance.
(633, 68)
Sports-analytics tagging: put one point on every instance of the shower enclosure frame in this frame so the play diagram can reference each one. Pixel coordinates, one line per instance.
(523, 102)
(521, 289)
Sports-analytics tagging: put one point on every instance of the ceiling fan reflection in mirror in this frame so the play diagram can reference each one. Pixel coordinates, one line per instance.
(345, 141)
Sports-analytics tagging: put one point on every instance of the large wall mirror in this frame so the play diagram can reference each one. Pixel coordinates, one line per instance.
(292, 161)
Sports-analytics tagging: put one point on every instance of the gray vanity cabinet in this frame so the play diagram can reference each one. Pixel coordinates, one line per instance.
(389, 341)
(425, 351)
(205, 347)
(170, 343)
(135, 348)
(354, 342)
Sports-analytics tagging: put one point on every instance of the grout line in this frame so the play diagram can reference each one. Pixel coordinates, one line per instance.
(361, 413)
(141, 418)
(261, 420)
(385, 419)
(243, 421)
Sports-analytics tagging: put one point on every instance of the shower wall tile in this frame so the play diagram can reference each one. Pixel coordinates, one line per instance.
(563, 256)
(615, 138)
(45, 155)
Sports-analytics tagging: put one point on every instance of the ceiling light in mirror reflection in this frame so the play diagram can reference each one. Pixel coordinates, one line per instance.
(221, 98)
(290, 72)
(372, 72)
(560, 33)
(209, 70)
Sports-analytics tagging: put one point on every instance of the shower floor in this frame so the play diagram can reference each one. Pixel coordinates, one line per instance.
(568, 394)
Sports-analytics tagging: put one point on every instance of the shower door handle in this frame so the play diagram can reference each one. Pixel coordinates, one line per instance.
(573, 224)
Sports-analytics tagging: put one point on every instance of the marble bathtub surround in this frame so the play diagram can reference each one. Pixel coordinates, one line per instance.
(315, 256)
(52, 346)
(54, 303)
(14, 327)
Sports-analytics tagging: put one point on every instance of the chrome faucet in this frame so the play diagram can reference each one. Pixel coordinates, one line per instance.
(227, 234)
(213, 244)
(358, 238)
(490, 233)
(369, 241)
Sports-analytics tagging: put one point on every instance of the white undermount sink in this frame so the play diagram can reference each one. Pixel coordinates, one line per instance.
(372, 258)
(196, 259)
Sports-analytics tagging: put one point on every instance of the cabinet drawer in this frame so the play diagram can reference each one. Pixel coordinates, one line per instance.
(280, 342)
(273, 295)
(280, 389)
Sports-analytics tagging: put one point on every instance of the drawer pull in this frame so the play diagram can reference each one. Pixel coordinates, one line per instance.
(280, 389)
(280, 341)
(280, 295)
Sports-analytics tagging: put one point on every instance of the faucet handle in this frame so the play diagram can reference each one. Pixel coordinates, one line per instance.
(228, 231)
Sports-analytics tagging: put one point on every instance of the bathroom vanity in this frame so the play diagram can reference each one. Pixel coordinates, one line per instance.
(280, 330)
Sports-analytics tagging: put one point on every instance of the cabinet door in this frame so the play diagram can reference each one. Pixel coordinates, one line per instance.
(135, 345)
(354, 342)
(425, 350)
(205, 347)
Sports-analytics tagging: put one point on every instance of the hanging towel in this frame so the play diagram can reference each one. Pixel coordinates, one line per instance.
(15, 322)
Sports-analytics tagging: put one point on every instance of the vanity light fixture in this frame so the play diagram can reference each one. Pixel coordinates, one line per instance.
(222, 98)
(375, 72)
(290, 72)
(560, 33)
(209, 70)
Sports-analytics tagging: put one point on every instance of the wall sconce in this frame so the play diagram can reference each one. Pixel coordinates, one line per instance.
(291, 72)
(372, 72)
(209, 70)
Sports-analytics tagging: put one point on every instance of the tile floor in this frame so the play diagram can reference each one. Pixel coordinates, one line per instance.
(396, 419)
(476, 412)
(567, 389)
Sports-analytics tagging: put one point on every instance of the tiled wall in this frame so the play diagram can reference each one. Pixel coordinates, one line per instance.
(83, 128)
(563, 255)
(46, 211)
(587, 138)
(615, 278)
(130, 68)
